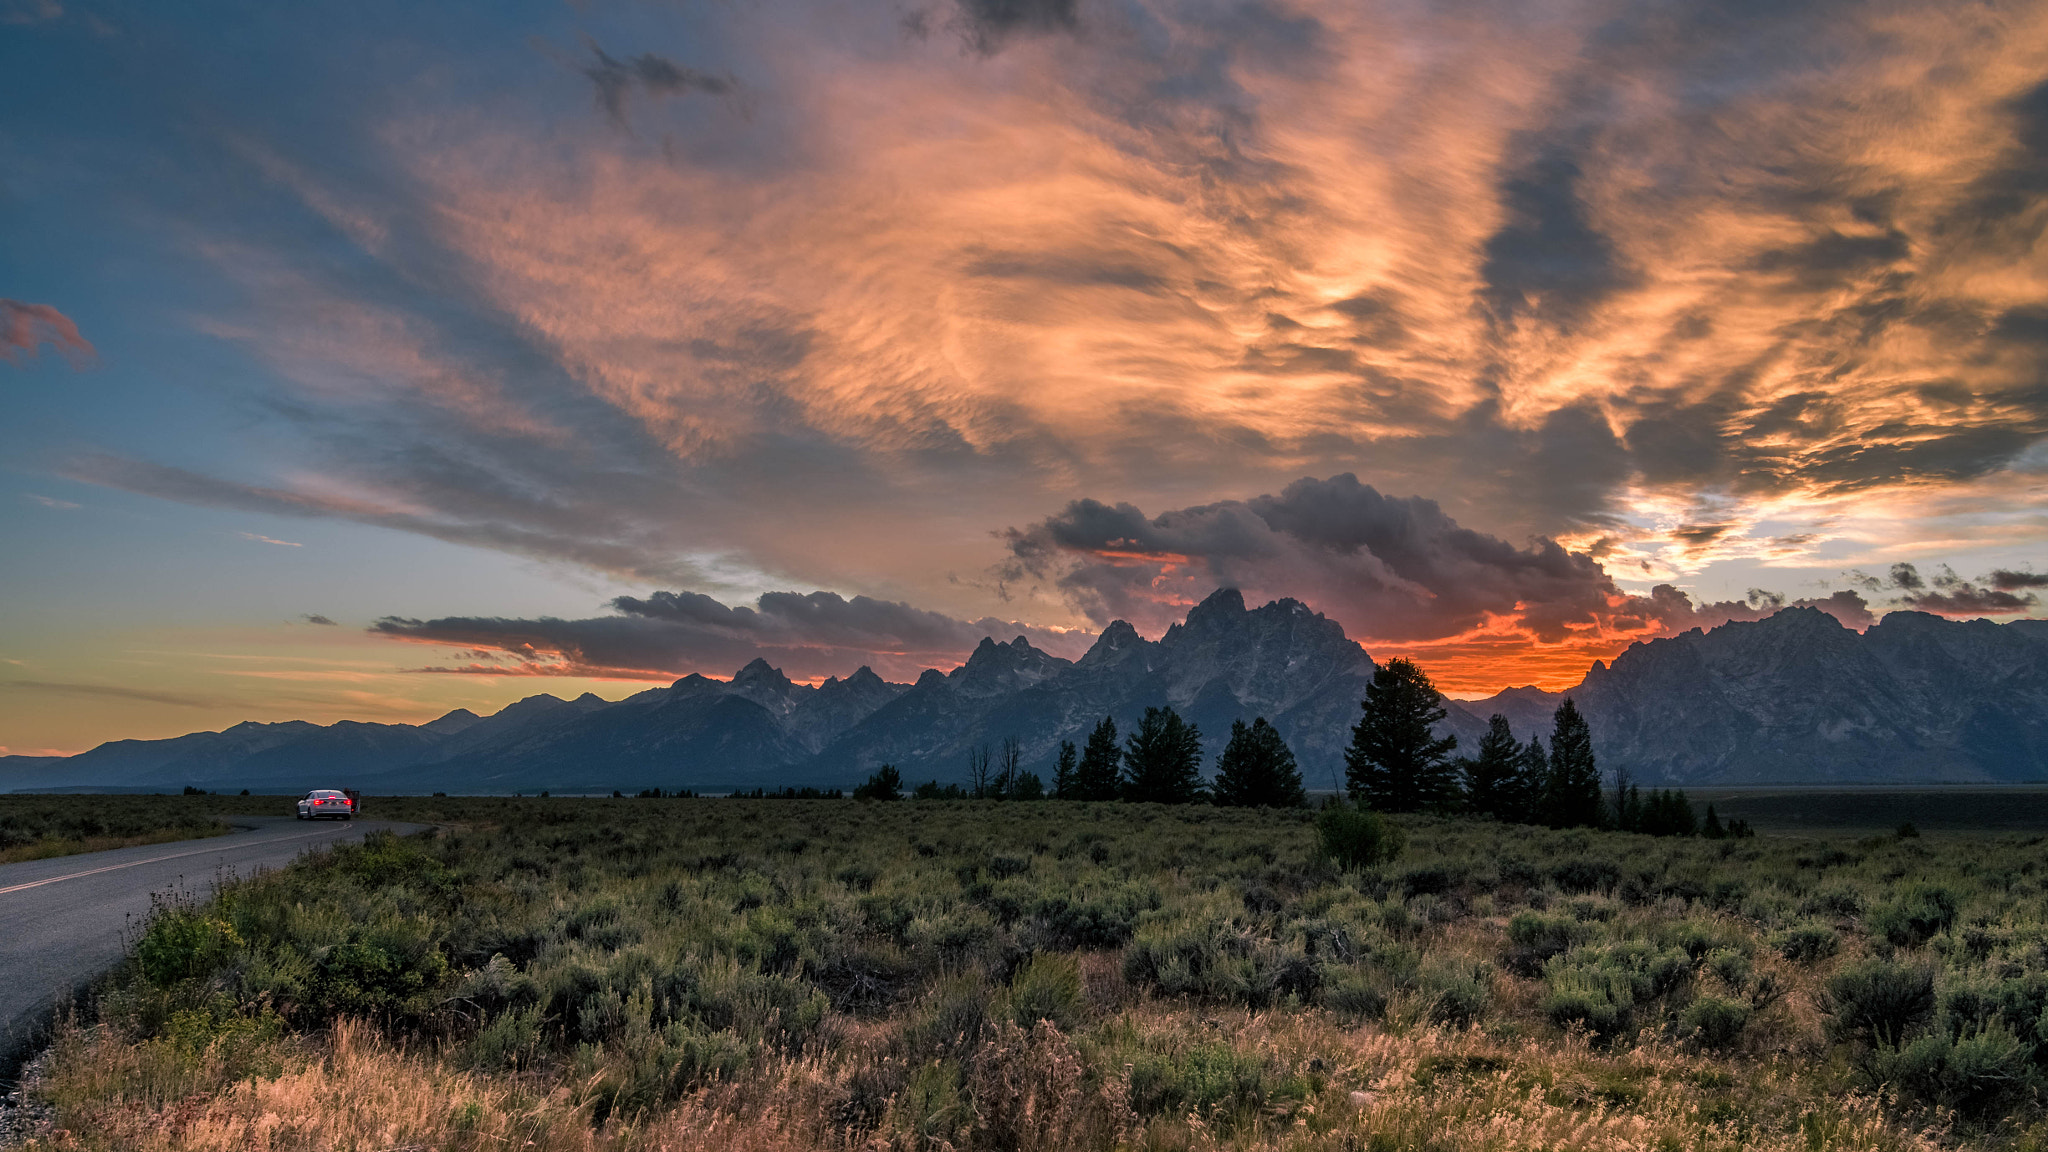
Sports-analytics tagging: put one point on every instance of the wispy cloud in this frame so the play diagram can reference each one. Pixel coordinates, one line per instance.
(262, 539)
(25, 327)
(53, 502)
(110, 692)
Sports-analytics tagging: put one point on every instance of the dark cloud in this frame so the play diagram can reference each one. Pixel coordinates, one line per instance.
(2008, 581)
(648, 73)
(316, 618)
(1944, 593)
(24, 327)
(1390, 567)
(2020, 183)
(668, 634)
(1548, 260)
(988, 24)
(1672, 610)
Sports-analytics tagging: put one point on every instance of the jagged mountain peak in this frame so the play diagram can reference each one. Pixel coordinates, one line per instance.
(1115, 642)
(759, 672)
(995, 668)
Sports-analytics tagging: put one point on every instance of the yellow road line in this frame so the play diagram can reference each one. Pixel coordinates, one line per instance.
(151, 860)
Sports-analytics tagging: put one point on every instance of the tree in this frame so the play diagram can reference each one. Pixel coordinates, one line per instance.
(1628, 814)
(1163, 760)
(1490, 778)
(1009, 770)
(1025, 786)
(885, 784)
(978, 771)
(1395, 763)
(1572, 798)
(1532, 781)
(1066, 779)
(1712, 829)
(1257, 770)
(1096, 777)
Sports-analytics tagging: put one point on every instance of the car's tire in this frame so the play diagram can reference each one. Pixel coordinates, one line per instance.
(300, 815)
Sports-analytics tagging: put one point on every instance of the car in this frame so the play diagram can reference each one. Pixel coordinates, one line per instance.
(322, 803)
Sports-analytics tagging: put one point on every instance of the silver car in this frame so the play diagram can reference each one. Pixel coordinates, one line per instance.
(321, 803)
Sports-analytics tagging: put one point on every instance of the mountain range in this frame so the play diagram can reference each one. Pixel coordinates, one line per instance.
(1793, 698)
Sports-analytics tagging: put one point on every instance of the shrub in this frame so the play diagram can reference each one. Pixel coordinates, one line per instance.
(1878, 1002)
(1587, 874)
(1351, 995)
(1837, 900)
(1714, 1021)
(184, 943)
(1047, 987)
(1916, 916)
(1536, 937)
(1357, 837)
(1458, 993)
(1979, 1073)
(1806, 943)
(1731, 965)
(1587, 997)
(1214, 1080)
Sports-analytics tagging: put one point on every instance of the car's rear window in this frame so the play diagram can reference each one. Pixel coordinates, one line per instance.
(326, 794)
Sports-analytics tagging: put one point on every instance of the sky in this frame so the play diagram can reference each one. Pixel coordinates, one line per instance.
(362, 361)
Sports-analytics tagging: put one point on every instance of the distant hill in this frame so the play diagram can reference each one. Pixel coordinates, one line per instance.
(1795, 698)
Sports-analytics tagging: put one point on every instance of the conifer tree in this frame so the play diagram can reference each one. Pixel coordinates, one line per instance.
(1257, 769)
(1712, 830)
(1163, 760)
(1532, 782)
(1572, 799)
(1096, 777)
(1395, 763)
(1628, 809)
(1065, 772)
(1490, 781)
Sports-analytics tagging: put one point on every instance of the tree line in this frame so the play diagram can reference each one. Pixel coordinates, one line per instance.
(1395, 763)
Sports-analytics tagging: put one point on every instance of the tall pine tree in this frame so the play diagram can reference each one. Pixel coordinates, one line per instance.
(1490, 778)
(1163, 760)
(1065, 772)
(1572, 799)
(1532, 783)
(1395, 763)
(1257, 769)
(1096, 777)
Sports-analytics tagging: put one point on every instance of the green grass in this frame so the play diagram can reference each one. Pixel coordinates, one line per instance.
(41, 827)
(917, 973)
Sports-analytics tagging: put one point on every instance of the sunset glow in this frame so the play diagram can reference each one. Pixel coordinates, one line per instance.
(399, 361)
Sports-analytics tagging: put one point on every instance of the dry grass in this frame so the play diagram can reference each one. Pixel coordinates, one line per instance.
(1366, 1088)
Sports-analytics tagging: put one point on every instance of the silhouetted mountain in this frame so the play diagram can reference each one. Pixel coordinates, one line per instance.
(1793, 698)
(1797, 697)
(1224, 663)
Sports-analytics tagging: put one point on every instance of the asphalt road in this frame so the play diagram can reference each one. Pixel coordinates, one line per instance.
(64, 921)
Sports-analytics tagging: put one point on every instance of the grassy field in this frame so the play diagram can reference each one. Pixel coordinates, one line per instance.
(39, 827)
(757, 974)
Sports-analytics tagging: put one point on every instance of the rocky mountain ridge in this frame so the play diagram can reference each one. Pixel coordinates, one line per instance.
(1795, 698)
